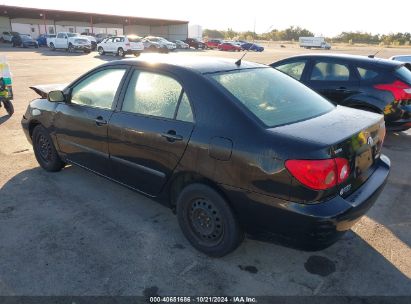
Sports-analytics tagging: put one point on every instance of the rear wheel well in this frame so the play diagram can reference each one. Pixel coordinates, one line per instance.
(184, 179)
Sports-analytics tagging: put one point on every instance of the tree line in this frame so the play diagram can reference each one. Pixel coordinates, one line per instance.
(294, 32)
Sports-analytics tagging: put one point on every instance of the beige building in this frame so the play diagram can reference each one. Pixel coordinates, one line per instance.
(35, 21)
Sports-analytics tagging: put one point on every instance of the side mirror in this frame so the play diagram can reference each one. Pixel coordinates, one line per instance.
(56, 96)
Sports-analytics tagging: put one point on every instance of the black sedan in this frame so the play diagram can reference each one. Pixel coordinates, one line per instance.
(371, 84)
(232, 147)
(23, 40)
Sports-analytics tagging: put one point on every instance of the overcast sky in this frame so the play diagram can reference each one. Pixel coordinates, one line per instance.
(320, 16)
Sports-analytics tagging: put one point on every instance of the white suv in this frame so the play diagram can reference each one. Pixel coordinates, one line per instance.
(121, 45)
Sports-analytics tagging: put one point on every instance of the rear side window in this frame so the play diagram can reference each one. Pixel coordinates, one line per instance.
(152, 94)
(328, 71)
(184, 110)
(366, 74)
(294, 69)
(404, 73)
(273, 97)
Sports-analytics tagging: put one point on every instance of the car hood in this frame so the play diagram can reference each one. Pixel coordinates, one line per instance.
(43, 90)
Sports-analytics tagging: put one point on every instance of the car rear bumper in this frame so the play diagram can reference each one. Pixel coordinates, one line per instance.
(306, 226)
(402, 118)
(134, 51)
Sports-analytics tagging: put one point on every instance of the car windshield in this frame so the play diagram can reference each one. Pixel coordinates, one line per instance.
(273, 97)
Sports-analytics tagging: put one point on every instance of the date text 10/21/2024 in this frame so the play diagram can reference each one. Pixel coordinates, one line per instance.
(207, 299)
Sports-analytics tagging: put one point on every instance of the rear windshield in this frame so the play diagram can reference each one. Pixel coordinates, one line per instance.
(404, 73)
(275, 98)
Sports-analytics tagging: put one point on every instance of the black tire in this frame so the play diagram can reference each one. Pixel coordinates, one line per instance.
(70, 48)
(8, 106)
(45, 151)
(101, 51)
(137, 54)
(52, 47)
(120, 52)
(207, 220)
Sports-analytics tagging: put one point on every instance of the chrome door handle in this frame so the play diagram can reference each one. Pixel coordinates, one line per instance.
(171, 136)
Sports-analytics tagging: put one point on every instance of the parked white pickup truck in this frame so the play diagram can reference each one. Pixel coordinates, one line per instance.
(70, 42)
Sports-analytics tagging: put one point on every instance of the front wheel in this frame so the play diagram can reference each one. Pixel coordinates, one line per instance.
(44, 150)
(53, 48)
(207, 221)
(9, 107)
(101, 51)
(137, 54)
(71, 48)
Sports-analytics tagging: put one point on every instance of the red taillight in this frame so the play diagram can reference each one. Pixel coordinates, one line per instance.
(319, 174)
(399, 89)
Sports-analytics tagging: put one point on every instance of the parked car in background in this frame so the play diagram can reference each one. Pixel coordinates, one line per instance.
(42, 39)
(93, 41)
(377, 85)
(402, 58)
(23, 40)
(7, 36)
(70, 42)
(229, 46)
(162, 42)
(181, 44)
(100, 37)
(213, 43)
(121, 45)
(289, 165)
(153, 45)
(252, 47)
(195, 43)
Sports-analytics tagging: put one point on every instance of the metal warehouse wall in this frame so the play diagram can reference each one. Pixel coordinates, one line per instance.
(4, 24)
(140, 30)
(171, 32)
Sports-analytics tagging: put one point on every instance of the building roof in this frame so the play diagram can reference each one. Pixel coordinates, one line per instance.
(58, 15)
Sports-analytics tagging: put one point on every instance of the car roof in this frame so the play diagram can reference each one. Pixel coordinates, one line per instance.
(385, 63)
(203, 65)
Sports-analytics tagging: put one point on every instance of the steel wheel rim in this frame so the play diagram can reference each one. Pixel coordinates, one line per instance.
(120, 52)
(206, 221)
(44, 148)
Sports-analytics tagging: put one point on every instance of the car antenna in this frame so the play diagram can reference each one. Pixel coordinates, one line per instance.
(373, 55)
(238, 62)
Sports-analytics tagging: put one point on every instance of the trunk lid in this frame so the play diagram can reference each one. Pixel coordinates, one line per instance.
(348, 133)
